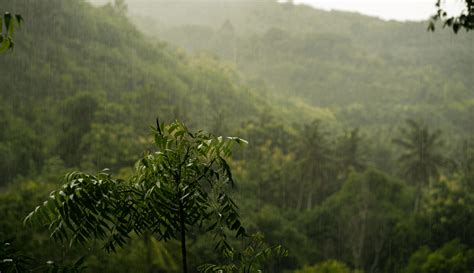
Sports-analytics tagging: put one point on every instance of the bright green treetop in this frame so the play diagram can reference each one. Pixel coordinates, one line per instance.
(183, 184)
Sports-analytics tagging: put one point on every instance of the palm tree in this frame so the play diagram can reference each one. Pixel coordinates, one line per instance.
(421, 159)
(349, 152)
(316, 158)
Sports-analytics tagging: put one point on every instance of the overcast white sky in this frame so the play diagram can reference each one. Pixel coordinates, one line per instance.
(402, 10)
(386, 9)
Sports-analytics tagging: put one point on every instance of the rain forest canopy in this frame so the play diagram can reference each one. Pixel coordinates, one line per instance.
(360, 154)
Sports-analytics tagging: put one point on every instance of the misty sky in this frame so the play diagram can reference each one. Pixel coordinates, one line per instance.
(413, 10)
(386, 9)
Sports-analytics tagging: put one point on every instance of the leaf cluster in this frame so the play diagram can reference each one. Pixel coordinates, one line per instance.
(187, 179)
(421, 158)
(251, 258)
(464, 21)
(13, 261)
(7, 22)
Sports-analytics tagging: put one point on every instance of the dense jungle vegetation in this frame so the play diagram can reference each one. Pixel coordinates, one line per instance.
(360, 154)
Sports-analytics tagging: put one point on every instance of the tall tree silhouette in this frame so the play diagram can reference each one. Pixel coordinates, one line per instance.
(316, 161)
(349, 152)
(421, 159)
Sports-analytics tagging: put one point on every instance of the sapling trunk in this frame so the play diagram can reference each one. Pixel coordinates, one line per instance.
(183, 237)
(147, 242)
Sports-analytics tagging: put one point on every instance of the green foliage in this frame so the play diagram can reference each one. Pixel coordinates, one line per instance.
(189, 175)
(452, 257)
(77, 115)
(15, 262)
(252, 258)
(184, 183)
(80, 86)
(349, 152)
(19, 145)
(330, 266)
(67, 89)
(448, 207)
(465, 20)
(370, 204)
(12, 261)
(7, 28)
(316, 159)
(421, 159)
(143, 254)
(366, 72)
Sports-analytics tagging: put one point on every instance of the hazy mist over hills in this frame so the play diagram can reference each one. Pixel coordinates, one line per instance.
(335, 60)
(357, 149)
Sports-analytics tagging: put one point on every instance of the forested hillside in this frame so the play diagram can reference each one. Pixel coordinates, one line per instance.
(78, 73)
(80, 90)
(364, 70)
(360, 154)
